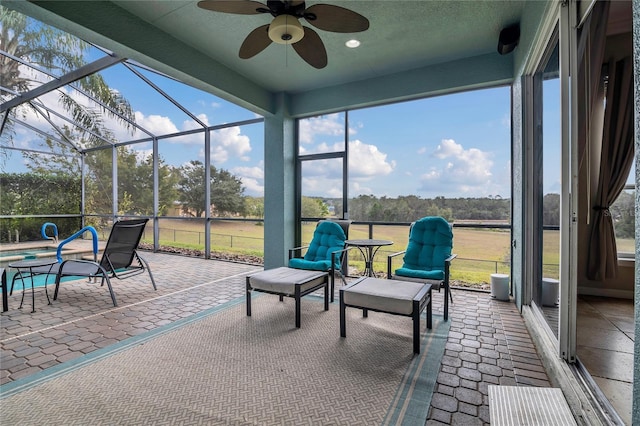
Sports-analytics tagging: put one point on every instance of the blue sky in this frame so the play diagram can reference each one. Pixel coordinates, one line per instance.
(454, 146)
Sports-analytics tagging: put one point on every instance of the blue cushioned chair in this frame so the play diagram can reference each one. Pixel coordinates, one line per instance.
(427, 257)
(325, 252)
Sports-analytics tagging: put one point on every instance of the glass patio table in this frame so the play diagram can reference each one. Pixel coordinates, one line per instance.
(368, 247)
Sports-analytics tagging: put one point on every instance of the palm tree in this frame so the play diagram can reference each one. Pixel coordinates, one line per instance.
(56, 53)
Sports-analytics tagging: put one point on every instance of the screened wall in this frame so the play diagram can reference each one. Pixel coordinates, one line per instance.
(88, 137)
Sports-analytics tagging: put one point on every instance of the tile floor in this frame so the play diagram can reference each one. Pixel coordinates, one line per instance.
(487, 344)
(605, 338)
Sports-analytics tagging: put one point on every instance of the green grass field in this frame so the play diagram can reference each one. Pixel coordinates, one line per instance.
(481, 252)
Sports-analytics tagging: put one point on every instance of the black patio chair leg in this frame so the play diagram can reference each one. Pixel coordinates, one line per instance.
(55, 293)
(146, 266)
(113, 296)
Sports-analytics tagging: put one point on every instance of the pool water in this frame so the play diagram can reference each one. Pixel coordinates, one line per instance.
(38, 281)
(29, 254)
(9, 254)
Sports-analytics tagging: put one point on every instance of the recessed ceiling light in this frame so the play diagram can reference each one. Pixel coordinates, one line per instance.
(352, 43)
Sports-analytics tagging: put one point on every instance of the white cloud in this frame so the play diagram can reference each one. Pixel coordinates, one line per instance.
(192, 125)
(256, 172)
(461, 171)
(156, 124)
(252, 187)
(367, 161)
(331, 125)
(321, 186)
(358, 189)
(252, 179)
(229, 143)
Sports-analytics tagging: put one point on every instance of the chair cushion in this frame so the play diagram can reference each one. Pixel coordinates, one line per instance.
(327, 238)
(436, 274)
(430, 243)
(317, 265)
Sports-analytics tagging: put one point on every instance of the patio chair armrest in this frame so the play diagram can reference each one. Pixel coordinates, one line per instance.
(342, 252)
(390, 261)
(447, 264)
(292, 251)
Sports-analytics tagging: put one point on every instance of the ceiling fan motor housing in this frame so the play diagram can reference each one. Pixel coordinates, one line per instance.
(285, 29)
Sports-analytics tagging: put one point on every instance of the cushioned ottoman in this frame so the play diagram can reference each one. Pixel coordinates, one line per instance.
(389, 296)
(288, 282)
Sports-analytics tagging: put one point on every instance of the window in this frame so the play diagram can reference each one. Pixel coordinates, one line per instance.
(623, 215)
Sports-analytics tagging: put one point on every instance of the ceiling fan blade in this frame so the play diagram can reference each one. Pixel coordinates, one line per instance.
(242, 7)
(256, 42)
(311, 49)
(335, 18)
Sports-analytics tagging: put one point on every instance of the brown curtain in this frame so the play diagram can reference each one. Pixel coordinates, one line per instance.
(615, 163)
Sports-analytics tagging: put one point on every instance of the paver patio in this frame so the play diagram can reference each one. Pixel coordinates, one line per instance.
(487, 344)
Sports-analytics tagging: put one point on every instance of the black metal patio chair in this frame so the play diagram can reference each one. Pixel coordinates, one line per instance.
(120, 258)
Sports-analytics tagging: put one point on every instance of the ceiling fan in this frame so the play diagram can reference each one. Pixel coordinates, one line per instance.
(285, 28)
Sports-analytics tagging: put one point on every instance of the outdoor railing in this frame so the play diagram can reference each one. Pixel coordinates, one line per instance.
(472, 267)
(482, 248)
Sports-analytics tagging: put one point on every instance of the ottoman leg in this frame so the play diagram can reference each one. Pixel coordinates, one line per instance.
(343, 325)
(416, 326)
(429, 312)
(332, 285)
(297, 297)
(248, 298)
(326, 295)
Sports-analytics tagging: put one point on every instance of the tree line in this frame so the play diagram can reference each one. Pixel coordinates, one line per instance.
(409, 208)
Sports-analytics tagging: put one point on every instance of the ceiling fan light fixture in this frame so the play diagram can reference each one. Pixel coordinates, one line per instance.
(285, 29)
(353, 43)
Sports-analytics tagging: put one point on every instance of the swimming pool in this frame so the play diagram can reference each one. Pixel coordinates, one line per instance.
(28, 254)
(39, 250)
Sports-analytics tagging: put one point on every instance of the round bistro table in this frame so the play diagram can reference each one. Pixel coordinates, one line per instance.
(25, 270)
(368, 247)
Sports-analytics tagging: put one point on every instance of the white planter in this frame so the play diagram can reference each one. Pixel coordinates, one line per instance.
(500, 286)
(550, 288)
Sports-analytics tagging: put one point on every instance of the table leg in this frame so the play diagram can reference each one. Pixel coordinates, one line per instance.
(33, 293)
(46, 281)
(5, 296)
(22, 280)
